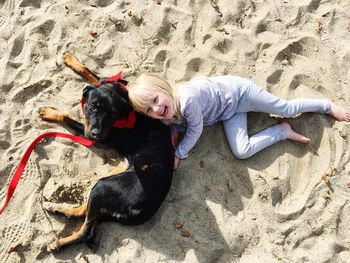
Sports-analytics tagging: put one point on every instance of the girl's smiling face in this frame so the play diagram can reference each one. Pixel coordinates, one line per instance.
(154, 96)
(160, 107)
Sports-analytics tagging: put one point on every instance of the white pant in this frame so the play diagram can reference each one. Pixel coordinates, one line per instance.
(253, 98)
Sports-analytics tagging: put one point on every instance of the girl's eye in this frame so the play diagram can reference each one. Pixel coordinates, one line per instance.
(148, 110)
(155, 99)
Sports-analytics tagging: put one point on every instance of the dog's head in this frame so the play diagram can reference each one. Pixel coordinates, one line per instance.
(103, 106)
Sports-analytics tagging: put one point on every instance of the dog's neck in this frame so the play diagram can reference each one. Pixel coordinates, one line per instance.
(128, 122)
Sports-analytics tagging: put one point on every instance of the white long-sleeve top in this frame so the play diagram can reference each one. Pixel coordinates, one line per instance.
(205, 101)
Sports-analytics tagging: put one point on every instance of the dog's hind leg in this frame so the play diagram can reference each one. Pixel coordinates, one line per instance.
(123, 165)
(85, 233)
(66, 209)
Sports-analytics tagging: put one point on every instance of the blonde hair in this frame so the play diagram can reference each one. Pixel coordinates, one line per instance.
(143, 88)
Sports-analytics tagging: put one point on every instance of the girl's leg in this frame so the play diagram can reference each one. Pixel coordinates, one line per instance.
(255, 98)
(241, 145)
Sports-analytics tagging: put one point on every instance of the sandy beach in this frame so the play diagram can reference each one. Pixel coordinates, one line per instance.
(288, 203)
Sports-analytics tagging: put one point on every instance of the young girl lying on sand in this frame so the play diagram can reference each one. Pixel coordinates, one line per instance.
(207, 100)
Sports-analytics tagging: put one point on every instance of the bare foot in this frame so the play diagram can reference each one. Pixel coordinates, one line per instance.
(292, 135)
(339, 113)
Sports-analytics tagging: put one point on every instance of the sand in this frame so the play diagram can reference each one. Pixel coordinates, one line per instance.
(272, 207)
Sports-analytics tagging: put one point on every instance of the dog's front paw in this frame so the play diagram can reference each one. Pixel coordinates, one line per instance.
(51, 114)
(54, 246)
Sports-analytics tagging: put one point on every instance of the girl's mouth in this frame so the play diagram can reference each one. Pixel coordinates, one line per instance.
(165, 111)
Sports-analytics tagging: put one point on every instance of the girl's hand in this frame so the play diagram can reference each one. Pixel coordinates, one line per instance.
(176, 162)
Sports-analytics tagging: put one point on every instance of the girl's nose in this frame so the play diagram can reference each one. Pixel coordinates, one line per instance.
(155, 108)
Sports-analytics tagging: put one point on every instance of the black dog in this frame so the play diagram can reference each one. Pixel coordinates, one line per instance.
(134, 192)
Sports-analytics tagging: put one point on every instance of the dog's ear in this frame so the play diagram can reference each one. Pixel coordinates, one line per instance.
(121, 91)
(121, 102)
(123, 107)
(86, 90)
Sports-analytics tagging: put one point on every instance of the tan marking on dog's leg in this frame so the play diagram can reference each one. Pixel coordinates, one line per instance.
(65, 209)
(122, 167)
(74, 211)
(144, 167)
(51, 114)
(56, 245)
(72, 62)
(77, 211)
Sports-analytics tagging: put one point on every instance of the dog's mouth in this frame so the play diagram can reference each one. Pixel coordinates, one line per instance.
(94, 133)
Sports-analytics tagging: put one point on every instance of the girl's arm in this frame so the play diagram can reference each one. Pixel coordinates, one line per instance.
(193, 114)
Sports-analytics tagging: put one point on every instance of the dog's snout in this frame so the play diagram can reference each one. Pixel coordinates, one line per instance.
(95, 134)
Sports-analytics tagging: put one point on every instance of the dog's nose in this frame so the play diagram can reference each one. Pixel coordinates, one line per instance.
(95, 134)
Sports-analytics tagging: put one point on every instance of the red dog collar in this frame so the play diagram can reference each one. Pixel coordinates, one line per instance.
(129, 122)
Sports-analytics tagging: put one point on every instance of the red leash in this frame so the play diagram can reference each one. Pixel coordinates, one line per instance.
(18, 173)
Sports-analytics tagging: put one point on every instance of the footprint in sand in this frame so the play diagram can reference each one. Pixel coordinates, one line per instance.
(22, 94)
(177, 24)
(160, 59)
(206, 37)
(4, 145)
(45, 28)
(224, 46)
(12, 235)
(194, 66)
(16, 233)
(22, 125)
(180, 70)
(5, 14)
(302, 80)
(101, 3)
(305, 46)
(275, 77)
(6, 9)
(26, 3)
(17, 46)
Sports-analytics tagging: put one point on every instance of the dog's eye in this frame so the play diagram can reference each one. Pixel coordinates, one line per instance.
(93, 107)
